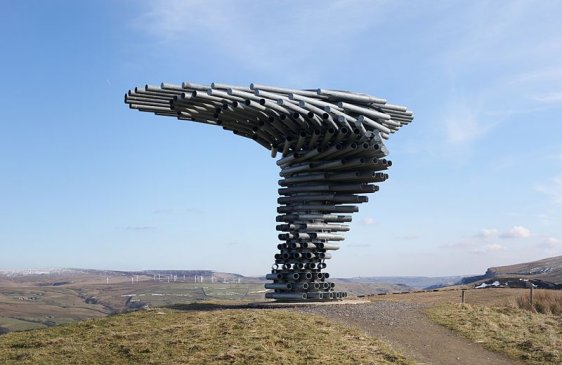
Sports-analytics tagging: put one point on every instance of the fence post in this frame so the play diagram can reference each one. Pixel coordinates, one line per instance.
(531, 296)
(462, 295)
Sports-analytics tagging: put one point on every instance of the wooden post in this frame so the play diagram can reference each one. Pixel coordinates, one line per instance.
(462, 295)
(531, 296)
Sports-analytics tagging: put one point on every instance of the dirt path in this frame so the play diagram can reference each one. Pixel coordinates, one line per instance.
(405, 326)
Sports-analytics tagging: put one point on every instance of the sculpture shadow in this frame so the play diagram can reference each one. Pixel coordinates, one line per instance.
(197, 307)
(206, 307)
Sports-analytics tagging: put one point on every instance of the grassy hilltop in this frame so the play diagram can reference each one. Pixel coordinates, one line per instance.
(197, 337)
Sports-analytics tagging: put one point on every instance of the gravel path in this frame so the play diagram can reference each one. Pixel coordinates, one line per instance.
(405, 326)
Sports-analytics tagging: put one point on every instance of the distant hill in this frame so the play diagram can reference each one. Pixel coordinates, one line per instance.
(80, 274)
(390, 283)
(416, 282)
(544, 273)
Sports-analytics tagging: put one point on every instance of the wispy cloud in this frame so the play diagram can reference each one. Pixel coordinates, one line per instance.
(550, 98)
(272, 38)
(551, 243)
(494, 247)
(516, 232)
(546, 218)
(171, 211)
(359, 245)
(538, 75)
(368, 221)
(462, 124)
(499, 67)
(513, 232)
(555, 156)
(514, 111)
(164, 211)
(463, 244)
(409, 237)
(553, 189)
(551, 246)
(485, 241)
(488, 233)
(475, 246)
(137, 228)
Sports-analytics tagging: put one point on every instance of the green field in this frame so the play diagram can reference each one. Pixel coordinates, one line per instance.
(13, 324)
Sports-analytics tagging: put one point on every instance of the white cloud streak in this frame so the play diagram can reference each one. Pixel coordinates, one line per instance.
(550, 98)
(517, 232)
(137, 228)
(514, 232)
(552, 242)
(281, 37)
(482, 244)
(551, 246)
(462, 123)
(538, 75)
(552, 189)
(488, 233)
(368, 221)
(495, 46)
(493, 247)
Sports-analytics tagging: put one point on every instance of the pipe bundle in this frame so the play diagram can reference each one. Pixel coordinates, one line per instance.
(332, 149)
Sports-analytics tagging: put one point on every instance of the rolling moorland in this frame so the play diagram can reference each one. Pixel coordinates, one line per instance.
(43, 298)
(183, 320)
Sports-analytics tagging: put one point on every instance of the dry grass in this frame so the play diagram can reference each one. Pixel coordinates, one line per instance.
(532, 337)
(198, 337)
(488, 296)
(543, 302)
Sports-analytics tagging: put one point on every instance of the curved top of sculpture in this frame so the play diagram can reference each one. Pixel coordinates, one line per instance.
(279, 119)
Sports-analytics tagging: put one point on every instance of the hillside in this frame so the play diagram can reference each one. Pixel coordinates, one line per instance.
(408, 282)
(80, 275)
(549, 269)
(47, 297)
(198, 337)
(43, 298)
(544, 273)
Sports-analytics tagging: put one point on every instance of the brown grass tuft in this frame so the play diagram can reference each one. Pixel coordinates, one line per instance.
(543, 302)
(533, 337)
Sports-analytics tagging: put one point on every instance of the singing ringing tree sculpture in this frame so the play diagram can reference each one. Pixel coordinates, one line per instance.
(333, 153)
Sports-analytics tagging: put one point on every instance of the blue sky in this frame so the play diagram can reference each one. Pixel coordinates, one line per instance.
(86, 182)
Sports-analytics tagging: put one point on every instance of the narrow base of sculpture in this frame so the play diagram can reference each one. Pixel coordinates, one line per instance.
(300, 278)
(306, 296)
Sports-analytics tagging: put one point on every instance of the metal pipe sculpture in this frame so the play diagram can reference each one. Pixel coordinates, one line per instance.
(332, 149)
